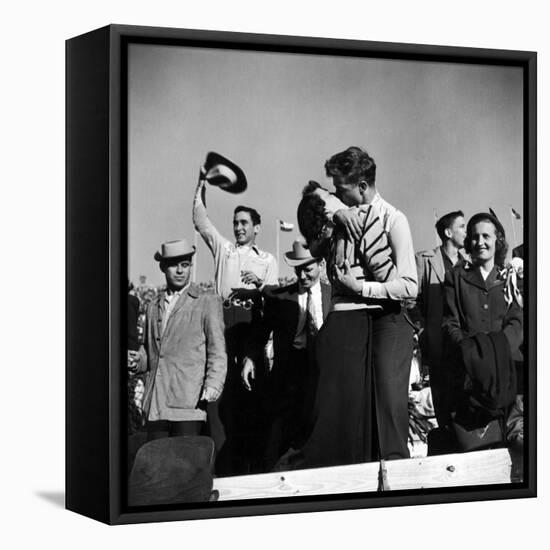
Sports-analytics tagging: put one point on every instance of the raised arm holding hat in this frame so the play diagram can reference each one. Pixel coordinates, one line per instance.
(241, 271)
(238, 264)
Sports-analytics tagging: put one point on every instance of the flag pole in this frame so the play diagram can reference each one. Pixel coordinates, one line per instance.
(277, 230)
(513, 227)
(195, 243)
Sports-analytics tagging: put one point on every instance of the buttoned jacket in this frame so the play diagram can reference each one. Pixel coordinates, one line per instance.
(192, 347)
(473, 305)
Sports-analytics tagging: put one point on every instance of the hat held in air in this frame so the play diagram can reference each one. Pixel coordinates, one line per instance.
(223, 173)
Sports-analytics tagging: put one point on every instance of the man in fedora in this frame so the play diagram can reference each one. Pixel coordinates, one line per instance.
(241, 271)
(186, 358)
(294, 314)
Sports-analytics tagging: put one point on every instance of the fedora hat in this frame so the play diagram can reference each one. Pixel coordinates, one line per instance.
(299, 255)
(174, 249)
(223, 173)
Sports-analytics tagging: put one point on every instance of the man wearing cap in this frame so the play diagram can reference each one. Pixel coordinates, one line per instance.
(294, 314)
(241, 271)
(186, 356)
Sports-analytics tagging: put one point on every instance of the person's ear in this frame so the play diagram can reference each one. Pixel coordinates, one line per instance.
(363, 186)
(257, 229)
(448, 233)
(162, 267)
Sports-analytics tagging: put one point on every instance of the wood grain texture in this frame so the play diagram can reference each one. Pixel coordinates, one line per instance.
(478, 468)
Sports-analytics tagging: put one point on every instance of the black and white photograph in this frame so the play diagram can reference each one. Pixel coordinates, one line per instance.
(326, 281)
(247, 252)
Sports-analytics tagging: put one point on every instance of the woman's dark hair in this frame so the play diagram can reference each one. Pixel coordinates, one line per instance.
(353, 163)
(311, 212)
(501, 246)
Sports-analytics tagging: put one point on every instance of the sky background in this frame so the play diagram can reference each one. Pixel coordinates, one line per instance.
(444, 137)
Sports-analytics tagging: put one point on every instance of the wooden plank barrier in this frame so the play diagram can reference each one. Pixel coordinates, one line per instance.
(477, 468)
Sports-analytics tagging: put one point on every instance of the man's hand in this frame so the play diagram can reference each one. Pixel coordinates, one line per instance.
(249, 278)
(349, 219)
(346, 280)
(209, 394)
(248, 373)
(133, 360)
(202, 175)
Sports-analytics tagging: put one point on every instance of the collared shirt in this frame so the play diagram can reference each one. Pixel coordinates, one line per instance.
(171, 297)
(300, 339)
(231, 259)
(405, 285)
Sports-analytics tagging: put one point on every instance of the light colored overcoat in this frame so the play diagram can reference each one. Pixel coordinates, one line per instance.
(191, 349)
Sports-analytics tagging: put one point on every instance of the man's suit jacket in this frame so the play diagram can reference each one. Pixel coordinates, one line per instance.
(281, 315)
(192, 346)
(429, 304)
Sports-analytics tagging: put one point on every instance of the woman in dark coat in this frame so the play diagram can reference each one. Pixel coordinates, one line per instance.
(483, 323)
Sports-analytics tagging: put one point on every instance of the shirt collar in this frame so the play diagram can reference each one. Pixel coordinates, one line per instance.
(377, 199)
(171, 293)
(250, 246)
(314, 289)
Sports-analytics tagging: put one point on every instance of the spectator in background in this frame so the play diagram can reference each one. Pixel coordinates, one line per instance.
(293, 314)
(241, 271)
(186, 359)
(432, 265)
(483, 320)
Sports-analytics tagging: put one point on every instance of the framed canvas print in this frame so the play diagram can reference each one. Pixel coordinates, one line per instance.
(301, 274)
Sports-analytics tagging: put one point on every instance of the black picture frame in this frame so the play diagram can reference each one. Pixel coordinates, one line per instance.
(96, 236)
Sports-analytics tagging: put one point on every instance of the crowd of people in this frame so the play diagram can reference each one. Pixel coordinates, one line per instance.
(315, 371)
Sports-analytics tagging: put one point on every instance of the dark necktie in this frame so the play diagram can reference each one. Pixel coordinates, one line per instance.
(310, 321)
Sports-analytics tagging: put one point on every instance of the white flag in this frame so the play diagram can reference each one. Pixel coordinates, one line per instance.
(285, 226)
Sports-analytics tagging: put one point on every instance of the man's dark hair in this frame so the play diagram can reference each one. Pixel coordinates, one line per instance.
(446, 222)
(501, 246)
(354, 163)
(254, 215)
(311, 212)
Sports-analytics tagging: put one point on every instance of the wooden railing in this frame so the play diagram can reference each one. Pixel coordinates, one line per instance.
(476, 468)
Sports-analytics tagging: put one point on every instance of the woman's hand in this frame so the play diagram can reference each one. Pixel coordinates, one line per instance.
(346, 281)
(349, 219)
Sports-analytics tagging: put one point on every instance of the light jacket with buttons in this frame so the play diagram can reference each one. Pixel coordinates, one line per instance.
(191, 349)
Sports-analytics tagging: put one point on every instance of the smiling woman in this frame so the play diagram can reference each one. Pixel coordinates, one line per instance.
(484, 325)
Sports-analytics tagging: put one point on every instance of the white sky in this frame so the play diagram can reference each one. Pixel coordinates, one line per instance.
(444, 137)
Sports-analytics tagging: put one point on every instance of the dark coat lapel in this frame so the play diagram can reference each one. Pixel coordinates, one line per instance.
(326, 293)
(472, 275)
